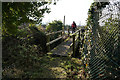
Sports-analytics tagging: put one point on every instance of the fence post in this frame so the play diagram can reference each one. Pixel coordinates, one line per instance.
(62, 36)
(63, 28)
(68, 32)
(74, 45)
(79, 35)
(48, 40)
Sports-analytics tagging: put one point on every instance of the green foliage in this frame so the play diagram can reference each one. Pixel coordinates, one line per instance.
(105, 42)
(39, 38)
(55, 26)
(92, 10)
(21, 50)
(22, 46)
(111, 24)
(14, 14)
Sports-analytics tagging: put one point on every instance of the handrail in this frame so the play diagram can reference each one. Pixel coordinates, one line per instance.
(53, 41)
(75, 32)
(73, 44)
(75, 36)
(75, 41)
(54, 32)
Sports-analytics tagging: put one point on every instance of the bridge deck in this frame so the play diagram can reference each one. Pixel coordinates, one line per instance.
(63, 49)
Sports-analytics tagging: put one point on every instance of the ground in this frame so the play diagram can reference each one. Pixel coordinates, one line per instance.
(48, 67)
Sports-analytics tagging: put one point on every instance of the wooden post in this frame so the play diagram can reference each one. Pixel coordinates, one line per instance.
(48, 40)
(74, 45)
(63, 25)
(61, 36)
(68, 32)
(79, 35)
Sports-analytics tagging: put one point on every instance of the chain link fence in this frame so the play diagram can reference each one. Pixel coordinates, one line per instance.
(102, 44)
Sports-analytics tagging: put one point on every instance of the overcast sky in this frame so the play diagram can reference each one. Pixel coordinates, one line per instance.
(74, 10)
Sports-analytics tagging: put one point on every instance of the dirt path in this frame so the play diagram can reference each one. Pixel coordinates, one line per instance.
(60, 67)
(62, 64)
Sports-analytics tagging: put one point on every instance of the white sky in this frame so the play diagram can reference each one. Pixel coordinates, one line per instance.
(74, 10)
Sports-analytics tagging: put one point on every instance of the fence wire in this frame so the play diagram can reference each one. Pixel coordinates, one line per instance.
(103, 46)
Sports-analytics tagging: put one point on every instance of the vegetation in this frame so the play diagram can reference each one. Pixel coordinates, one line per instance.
(20, 51)
(54, 26)
(92, 10)
(14, 14)
(104, 39)
(45, 67)
(24, 45)
(22, 42)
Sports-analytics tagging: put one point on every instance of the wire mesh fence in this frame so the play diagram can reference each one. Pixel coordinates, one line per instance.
(103, 45)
